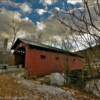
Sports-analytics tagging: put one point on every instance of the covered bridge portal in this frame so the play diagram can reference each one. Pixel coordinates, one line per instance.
(19, 55)
(39, 59)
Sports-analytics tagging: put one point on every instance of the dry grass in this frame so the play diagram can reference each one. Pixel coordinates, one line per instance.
(12, 89)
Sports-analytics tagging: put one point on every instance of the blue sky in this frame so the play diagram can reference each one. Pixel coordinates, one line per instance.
(36, 10)
(31, 14)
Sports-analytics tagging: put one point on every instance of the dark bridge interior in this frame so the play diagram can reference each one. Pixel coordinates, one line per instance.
(20, 56)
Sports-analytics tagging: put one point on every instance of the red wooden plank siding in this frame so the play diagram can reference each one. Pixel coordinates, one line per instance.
(52, 62)
(75, 63)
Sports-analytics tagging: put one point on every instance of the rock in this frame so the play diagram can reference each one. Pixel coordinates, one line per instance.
(57, 79)
(21, 75)
(94, 87)
(49, 92)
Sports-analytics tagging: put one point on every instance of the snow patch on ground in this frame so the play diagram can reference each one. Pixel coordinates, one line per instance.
(94, 87)
(50, 90)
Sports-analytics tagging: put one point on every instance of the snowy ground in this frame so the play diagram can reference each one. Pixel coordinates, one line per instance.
(93, 86)
(12, 88)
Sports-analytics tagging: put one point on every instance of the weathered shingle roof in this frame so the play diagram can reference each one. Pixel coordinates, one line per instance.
(33, 44)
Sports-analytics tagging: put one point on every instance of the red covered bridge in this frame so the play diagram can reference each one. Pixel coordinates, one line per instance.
(39, 59)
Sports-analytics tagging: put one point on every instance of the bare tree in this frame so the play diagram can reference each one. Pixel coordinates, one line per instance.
(14, 27)
(83, 22)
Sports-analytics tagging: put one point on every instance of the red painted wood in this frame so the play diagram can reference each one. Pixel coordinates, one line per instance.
(75, 63)
(54, 62)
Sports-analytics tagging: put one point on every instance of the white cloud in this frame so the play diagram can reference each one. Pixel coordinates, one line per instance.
(7, 17)
(26, 18)
(21, 34)
(25, 8)
(17, 16)
(57, 37)
(40, 26)
(74, 1)
(48, 2)
(57, 8)
(3, 0)
(41, 11)
(6, 20)
(11, 3)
